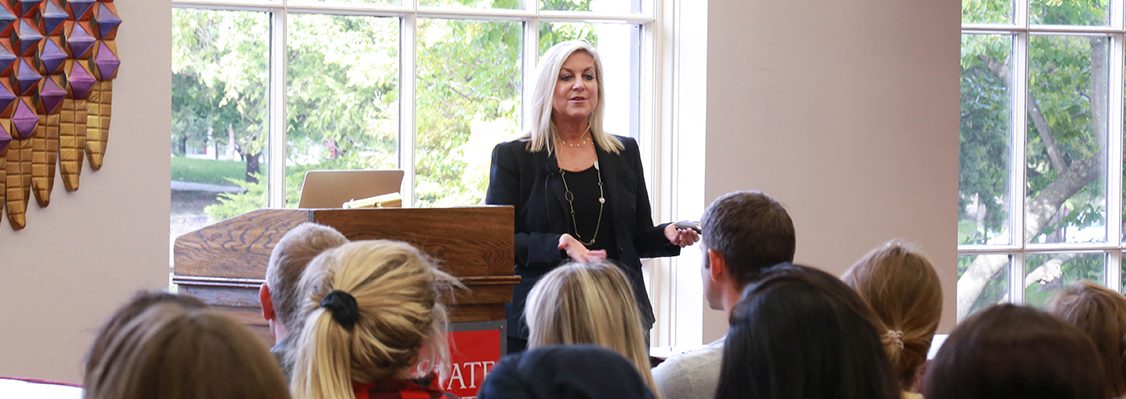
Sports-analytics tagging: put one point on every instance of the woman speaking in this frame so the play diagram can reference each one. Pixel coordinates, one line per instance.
(578, 191)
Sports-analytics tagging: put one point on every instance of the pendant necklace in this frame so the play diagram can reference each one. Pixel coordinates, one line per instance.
(570, 197)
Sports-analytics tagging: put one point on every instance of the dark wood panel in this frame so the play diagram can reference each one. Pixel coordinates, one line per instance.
(238, 247)
(472, 313)
(478, 304)
(220, 295)
(467, 241)
(224, 264)
(251, 318)
(494, 290)
(479, 292)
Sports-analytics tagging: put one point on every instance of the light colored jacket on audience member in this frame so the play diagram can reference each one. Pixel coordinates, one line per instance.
(691, 375)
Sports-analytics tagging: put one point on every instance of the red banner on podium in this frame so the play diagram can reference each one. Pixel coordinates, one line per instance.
(475, 348)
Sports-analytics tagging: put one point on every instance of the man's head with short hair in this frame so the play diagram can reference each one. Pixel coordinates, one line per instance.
(279, 295)
(743, 233)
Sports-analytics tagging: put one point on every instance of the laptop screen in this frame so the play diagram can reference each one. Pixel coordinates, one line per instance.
(332, 188)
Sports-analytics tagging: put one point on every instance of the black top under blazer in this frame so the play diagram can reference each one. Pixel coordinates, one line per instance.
(530, 181)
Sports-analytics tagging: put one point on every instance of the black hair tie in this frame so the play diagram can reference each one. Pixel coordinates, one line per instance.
(343, 307)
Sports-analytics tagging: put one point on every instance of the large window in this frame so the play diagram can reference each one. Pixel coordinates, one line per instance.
(1040, 185)
(263, 91)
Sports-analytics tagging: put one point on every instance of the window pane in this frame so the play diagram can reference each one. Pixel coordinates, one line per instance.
(220, 76)
(1123, 193)
(468, 101)
(343, 95)
(987, 11)
(985, 137)
(619, 47)
(983, 280)
(502, 4)
(1067, 131)
(1122, 275)
(1044, 274)
(600, 6)
(1057, 12)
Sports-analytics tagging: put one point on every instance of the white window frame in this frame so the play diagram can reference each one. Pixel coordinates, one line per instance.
(666, 54)
(1018, 249)
(409, 13)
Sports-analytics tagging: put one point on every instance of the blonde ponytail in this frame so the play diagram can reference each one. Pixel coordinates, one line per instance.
(394, 315)
(322, 360)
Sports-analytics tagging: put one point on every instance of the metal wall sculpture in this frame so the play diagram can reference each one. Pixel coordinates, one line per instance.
(58, 59)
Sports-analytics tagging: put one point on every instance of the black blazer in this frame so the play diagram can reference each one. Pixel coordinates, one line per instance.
(531, 183)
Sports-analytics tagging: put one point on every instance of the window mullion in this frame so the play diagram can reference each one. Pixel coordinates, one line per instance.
(1116, 12)
(1114, 270)
(408, 99)
(1016, 278)
(1017, 173)
(647, 97)
(1114, 159)
(275, 140)
(1020, 13)
(529, 58)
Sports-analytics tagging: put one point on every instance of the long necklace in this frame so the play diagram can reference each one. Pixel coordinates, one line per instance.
(570, 197)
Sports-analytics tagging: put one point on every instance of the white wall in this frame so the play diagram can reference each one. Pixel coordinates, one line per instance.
(846, 112)
(86, 253)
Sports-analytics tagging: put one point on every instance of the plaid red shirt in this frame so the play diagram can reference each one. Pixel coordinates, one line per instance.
(421, 388)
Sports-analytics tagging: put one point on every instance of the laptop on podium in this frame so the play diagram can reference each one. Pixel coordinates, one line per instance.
(332, 188)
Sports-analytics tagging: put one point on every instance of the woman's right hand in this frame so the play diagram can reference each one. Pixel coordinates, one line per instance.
(578, 252)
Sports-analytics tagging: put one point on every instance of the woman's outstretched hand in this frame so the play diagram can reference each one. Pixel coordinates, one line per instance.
(680, 237)
(578, 252)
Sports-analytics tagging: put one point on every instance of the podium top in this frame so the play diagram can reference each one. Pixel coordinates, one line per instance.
(471, 241)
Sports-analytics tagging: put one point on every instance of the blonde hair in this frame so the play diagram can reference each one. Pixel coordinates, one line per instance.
(542, 134)
(172, 351)
(1101, 314)
(400, 318)
(903, 290)
(588, 303)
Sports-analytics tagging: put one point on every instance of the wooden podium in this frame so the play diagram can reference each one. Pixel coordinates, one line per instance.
(224, 264)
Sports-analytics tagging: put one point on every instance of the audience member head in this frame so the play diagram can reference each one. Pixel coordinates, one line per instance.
(1010, 351)
(141, 301)
(174, 348)
(903, 291)
(565, 372)
(279, 296)
(587, 303)
(1101, 313)
(743, 233)
(372, 311)
(799, 332)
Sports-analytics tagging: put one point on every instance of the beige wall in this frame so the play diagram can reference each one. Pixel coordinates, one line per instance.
(87, 252)
(845, 111)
